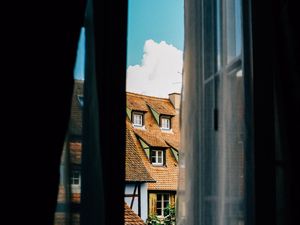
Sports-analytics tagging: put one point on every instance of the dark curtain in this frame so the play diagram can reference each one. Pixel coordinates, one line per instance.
(103, 162)
(38, 50)
(276, 98)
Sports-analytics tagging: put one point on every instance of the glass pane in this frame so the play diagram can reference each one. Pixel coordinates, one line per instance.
(159, 197)
(159, 211)
(218, 31)
(233, 28)
(230, 142)
(209, 39)
(153, 159)
(159, 159)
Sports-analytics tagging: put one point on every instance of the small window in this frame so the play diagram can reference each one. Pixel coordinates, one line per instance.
(75, 179)
(157, 157)
(165, 123)
(137, 119)
(163, 200)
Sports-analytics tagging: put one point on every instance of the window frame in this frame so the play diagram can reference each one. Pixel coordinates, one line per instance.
(156, 163)
(137, 113)
(162, 117)
(162, 203)
(73, 179)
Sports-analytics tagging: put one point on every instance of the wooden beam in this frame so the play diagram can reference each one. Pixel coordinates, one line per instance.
(139, 200)
(134, 193)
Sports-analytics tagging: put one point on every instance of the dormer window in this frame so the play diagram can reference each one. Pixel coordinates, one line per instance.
(75, 181)
(137, 119)
(165, 122)
(157, 157)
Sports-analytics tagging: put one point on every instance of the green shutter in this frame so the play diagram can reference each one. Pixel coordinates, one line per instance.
(155, 114)
(128, 111)
(145, 147)
(175, 153)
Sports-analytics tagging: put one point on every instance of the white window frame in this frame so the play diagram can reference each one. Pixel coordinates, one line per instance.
(165, 120)
(163, 206)
(137, 122)
(156, 157)
(75, 186)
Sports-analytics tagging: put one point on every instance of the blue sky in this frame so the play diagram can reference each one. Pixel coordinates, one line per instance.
(159, 20)
(79, 64)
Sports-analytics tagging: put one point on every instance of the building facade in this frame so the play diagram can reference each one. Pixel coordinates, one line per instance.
(154, 126)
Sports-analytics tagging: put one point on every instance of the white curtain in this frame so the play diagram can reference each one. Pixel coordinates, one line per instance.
(212, 164)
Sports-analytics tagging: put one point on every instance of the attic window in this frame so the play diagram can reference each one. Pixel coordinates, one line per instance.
(157, 157)
(75, 181)
(80, 100)
(165, 122)
(137, 119)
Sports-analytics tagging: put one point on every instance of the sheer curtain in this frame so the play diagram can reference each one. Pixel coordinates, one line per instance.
(214, 133)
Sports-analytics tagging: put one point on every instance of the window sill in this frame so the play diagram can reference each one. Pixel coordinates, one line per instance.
(166, 130)
(139, 127)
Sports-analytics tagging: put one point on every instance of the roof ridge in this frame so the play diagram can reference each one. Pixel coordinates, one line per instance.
(147, 96)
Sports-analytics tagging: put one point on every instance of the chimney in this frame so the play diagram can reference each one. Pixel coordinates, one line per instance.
(175, 100)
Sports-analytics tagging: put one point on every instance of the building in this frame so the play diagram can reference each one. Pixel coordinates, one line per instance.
(152, 145)
(68, 201)
(136, 178)
(153, 125)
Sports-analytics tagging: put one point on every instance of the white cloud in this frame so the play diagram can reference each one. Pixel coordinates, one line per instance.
(160, 72)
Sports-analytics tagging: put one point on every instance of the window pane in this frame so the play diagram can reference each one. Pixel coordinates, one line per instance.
(233, 28)
(137, 119)
(166, 203)
(209, 39)
(230, 141)
(159, 211)
(159, 160)
(219, 29)
(165, 123)
(153, 159)
(166, 197)
(159, 197)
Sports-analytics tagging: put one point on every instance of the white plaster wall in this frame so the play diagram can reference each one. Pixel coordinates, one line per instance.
(129, 189)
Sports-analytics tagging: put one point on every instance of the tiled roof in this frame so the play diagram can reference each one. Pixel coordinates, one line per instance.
(151, 138)
(76, 110)
(60, 218)
(75, 152)
(165, 176)
(162, 106)
(130, 217)
(135, 170)
(142, 103)
(61, 197)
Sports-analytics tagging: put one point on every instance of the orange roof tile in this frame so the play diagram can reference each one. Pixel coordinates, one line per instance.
(61, 197)
(75, 127)
(134, 169)
(75, 152)
(141, 102)
(150, 138)
(130, 217)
